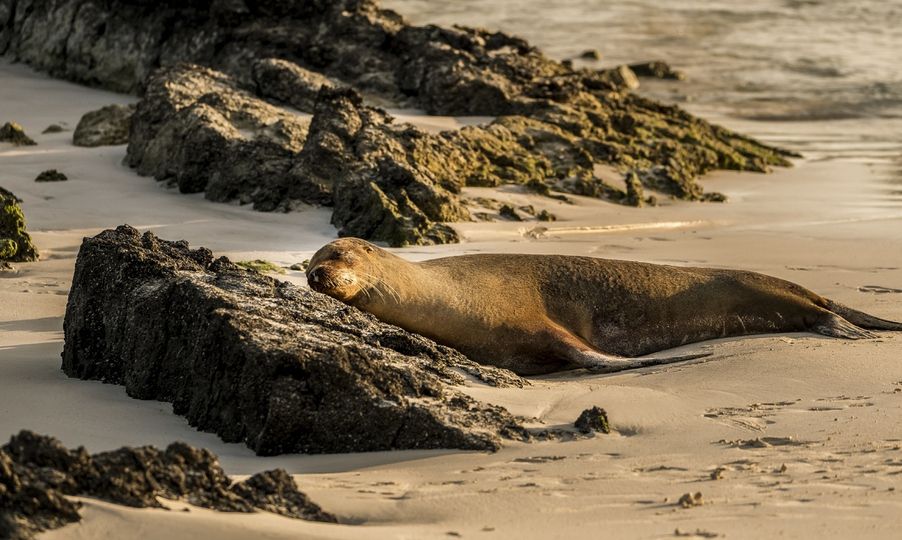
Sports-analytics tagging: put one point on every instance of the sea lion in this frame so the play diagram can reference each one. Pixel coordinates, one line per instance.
(536, 314)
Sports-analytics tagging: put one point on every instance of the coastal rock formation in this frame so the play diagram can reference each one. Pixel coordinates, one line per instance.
(104, 127)
(554, 122)
(38, 472)
(12, 133)
(15, 242)
(259, 361)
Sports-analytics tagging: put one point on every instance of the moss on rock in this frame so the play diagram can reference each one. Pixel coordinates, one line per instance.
(15, 243)
(11, 132)
(261, 266)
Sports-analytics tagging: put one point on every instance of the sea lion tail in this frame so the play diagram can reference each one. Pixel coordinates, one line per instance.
(859, 318)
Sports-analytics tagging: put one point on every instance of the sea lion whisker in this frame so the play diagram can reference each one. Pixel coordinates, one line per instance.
(376, 282)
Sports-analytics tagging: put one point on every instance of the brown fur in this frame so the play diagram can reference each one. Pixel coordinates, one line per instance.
(541, 313)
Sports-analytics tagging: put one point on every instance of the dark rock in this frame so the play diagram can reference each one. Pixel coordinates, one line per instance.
(255, 360)
(6, 194)
(591, 54)
(13, 133)
(37, 472)
(107, 126)
(390, 183)
(289, 83)
(53, 128)
(545, 215)
(275, 491)
(620, 77)
(15, 242)
(658, 70)
(51, 175)
(594, 419)
(386, 182)
(509, 212)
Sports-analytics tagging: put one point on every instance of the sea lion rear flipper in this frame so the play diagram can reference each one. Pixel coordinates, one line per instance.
(862, 319)
(838, 327)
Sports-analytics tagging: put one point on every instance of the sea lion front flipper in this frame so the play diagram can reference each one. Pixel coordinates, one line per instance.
(601, 363)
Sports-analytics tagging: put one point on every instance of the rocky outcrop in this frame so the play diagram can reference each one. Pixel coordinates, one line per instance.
(38, 472)
(390, 183)
(106, 126)
(15, 242)
(258, 361)
(195, 128)
(12, 133)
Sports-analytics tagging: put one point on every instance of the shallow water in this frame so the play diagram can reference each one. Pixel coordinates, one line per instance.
(825, 70)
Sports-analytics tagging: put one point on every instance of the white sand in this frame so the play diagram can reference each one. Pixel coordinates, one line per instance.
(830, 225)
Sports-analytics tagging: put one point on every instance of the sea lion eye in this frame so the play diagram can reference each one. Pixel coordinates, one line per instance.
(368, 249)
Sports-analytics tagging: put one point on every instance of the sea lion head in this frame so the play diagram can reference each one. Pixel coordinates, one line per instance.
(344, 268)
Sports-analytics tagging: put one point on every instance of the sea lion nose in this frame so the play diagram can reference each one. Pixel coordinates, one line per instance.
(316, 275)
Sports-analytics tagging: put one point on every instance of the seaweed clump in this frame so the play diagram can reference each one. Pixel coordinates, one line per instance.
(15, 242)
(594, 419)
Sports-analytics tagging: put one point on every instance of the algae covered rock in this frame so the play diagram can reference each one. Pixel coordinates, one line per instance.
(37, 473)
(13, 133)
(15, 242)
(107, 126)
(594, 419)
(259, 361)
(553, 123)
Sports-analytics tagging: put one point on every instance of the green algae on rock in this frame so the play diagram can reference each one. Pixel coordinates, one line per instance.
(594, 419)
(13, 133)
(261, 266)
(15, 242)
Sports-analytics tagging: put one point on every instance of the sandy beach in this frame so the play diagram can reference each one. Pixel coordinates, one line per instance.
(791, 435)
